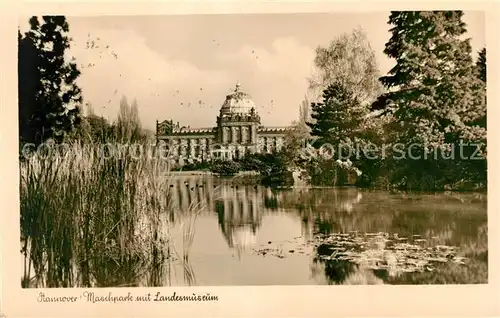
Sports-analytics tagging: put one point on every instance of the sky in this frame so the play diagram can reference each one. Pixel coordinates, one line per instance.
(182, 67)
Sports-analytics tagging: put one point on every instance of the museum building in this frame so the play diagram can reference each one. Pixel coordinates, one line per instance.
(238, 132)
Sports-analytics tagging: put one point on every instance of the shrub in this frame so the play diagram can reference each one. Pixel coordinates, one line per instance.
(225, 168)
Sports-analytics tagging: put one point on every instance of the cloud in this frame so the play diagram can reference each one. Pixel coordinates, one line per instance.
(273, 72)
(276, 77)
(120, 63)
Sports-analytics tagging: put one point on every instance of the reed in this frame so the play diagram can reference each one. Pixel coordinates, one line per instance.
(90, 221)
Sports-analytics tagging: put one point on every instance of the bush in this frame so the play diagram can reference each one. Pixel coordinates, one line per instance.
(225, 168)
(284, 179)
(195, 166)
(330, 173)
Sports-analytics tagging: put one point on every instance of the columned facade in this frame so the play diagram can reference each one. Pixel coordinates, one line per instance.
(238, 132)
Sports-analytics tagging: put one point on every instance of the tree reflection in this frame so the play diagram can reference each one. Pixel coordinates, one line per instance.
(457, 220)
(336, 271)
(452, 222)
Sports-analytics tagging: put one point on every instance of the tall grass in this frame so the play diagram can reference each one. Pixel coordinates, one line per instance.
(90, 221)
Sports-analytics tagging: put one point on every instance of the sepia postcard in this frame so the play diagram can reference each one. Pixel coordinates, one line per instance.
(249, 159)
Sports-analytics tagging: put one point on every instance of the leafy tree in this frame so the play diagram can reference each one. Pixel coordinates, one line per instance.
(348, 63)
(128, 124)
(304, 111)
(93, 128)
(349, 60)
(434, 94)
(224, 167)
(49, 98)
(297, 137)
(435, 97)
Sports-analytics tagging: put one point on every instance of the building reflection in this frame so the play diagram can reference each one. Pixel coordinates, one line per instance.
(191, 193)
(239, 211)
(239, 207)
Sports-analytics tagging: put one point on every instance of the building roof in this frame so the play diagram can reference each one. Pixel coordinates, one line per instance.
(237, 102)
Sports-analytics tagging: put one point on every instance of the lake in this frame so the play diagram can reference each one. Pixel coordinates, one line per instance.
(251, 235)
(220, 231)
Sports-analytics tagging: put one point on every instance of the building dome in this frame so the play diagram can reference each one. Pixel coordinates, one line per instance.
(237, 103)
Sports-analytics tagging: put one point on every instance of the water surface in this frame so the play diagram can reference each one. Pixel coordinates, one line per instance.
(251, 235)
(220, 232)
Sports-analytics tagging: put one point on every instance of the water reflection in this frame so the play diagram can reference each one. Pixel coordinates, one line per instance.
(215, 218)
(448, 219)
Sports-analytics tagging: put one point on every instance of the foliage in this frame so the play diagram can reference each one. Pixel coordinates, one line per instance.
(253, 162)
(49, 98)
(481, 64)
(107, 220)
(126, 129)
(272, 167)
(275, 169)
(338, 122)
(435, 100)
(338, 117)
(203, 165)
(481, 68)
(225, 167)
(349, 60)
(434, 91)
(92, 128)
(128, 124)
(295, 140)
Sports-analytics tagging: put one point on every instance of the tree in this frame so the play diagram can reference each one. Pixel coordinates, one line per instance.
(338, 117)
(94, 128)
(298, 135)
(304, 113)
(481, 71)
(337, 121)
(434, 94)
(481, 64)
(128, 124)
(49, 98)
(349, 60)
(435, 97)
(294, 140)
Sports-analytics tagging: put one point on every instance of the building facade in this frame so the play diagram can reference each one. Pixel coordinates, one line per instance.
(238, 132)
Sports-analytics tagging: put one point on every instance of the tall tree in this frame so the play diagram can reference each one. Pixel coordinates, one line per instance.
(434, 93)
(304, 112)
(49, 98)
(436, 100)
(481, 68)
(128, 123)
(336, 121)
(481, 64)
(94, 128)
(337, 117)
(298, 135)
(349, 60)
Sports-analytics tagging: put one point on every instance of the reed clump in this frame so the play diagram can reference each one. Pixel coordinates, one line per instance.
(94, 220)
